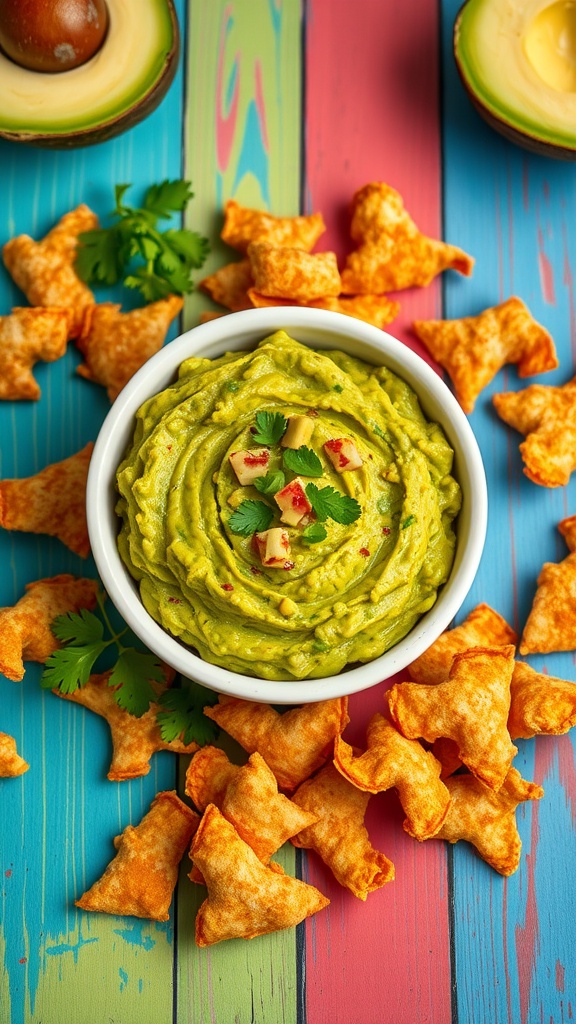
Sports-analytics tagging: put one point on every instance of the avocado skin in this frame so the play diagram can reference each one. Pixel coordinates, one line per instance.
(556, 151)
(117, 125)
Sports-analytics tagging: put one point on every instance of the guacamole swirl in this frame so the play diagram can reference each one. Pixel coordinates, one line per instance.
(344, 599)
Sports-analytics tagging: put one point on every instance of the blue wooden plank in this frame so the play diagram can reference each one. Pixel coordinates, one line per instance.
(515, 939)
(59, 818)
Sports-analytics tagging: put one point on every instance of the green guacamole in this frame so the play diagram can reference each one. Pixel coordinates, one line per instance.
(352, 595)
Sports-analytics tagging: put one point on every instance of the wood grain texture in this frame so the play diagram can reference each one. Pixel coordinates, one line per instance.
(515, 939)
(372, 114)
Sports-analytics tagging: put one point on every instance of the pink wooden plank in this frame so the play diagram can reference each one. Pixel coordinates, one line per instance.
(372, 113)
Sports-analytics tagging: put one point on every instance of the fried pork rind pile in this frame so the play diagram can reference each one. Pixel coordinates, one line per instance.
(474, 348)
(547, 417)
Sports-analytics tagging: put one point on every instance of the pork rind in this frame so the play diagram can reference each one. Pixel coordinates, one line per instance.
(229, 285)
(294, 744)
(471, 707)
(141, 879)
(45, 270)
(339, 835)
(373, 309)
(115, 344)
(292, 273)
(483, 627)
(392, 253)
(245, 898)
(26, 336)
(392, 760)
(551, 624)
(11, 764)
(243, 225)
(248, 797)
(540, 704)
(547, 417)
(134, 740)
(487, 819)
(25, 633)
(52, 501)
(474, 348)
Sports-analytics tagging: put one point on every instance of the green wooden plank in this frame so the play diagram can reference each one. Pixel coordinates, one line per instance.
(246, 146)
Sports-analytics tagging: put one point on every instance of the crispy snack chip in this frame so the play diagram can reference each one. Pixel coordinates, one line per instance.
(547, 417)
(339, 835)
(541, 704)
(245, 898)
(373, 309)
(229, 285)
(25, 633)
(446, 751)
(139, 882)
(52, 501)
(474, 348)
(115, 344)
(471, 707)
(392, 760)
(294, 744)
(551, 624)
(248, 797)
(26, 336)
(292, 273)
(134, 740)
(243, 225)
(487, 819)
(45, 270)
(392, 253)
(11, 764)
(483, 627)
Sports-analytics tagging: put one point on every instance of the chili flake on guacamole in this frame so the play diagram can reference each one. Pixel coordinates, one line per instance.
(347, 592)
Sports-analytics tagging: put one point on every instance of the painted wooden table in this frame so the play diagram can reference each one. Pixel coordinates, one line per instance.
(293, 108)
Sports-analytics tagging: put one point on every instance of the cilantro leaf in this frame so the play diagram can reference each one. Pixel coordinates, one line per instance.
(152, 286)
(168, 197)
(251, 517)
(78, 628)
(302, 460)
(131, 676)
(100, 256)
(184, 714)
(189, 245)
(271, 483)
(328, 503)
(69, 668)
(408, 522)
(314, 533)
(271, 426)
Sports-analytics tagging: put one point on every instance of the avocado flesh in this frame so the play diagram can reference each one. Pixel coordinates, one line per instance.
(508, 54)
(129, 66)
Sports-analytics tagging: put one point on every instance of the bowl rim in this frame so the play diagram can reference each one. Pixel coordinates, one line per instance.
(229, 333)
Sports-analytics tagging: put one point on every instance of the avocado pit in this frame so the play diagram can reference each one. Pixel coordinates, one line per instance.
(52, 37)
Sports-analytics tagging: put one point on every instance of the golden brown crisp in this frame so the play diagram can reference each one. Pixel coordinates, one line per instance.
(391, 760)
(139, 882)
(11, 764)
(483, 627)
(392, 253)
(26, 336)
(25, 633)
(134, 740)
(487, 819)
(294, 744)
(292, 273)
(52, 501)
(245, 898)
(115, 344)
(339, 835)
(243, 225)
(547, 417)
(551, 624)
(474, 348)
(541, 704)
(229, 285)
(373, 309)
(471, 707)
(45, 270)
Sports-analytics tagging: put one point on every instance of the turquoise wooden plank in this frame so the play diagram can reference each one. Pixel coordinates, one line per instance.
(515, 939)
(58, 820)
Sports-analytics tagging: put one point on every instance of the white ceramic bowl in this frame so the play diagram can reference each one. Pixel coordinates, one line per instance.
(318, 329)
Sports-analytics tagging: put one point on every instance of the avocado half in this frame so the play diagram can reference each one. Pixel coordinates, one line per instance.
(517, 61)
(121, 84)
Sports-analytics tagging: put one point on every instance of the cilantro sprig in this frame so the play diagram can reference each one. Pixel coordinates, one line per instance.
(156, 263)
(251, 517)
(84, 640)
(269, 427)
(302, 460)
(182, 713)
(271, 483)
(328, 503)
